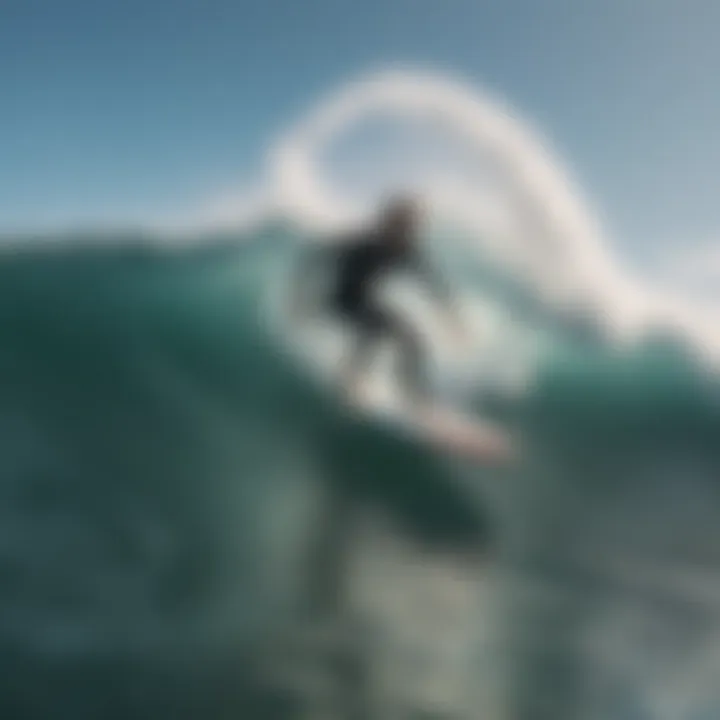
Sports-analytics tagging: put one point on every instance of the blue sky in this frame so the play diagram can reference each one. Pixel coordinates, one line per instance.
(127, 108)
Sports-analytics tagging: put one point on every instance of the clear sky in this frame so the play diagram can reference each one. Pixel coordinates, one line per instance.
(114, 108)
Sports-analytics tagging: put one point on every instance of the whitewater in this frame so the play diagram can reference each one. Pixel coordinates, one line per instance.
(181, 490)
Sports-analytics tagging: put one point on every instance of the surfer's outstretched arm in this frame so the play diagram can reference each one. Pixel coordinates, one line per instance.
(441, 290)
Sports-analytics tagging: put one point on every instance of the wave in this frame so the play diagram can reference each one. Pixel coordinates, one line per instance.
(179, 486)
(170, 469)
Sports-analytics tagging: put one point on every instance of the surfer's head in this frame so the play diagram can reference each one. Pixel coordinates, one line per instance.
(399, 220)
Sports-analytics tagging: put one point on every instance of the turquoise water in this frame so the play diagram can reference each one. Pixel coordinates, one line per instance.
(177, 490)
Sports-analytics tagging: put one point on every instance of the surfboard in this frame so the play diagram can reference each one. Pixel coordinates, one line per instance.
(449, 430)
(454, 432)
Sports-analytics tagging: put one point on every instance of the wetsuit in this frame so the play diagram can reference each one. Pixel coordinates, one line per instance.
(358, 264)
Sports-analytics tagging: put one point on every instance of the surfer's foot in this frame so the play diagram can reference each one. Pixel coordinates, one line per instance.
(419, 407)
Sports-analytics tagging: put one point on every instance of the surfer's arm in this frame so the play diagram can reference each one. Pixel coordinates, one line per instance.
(434, 280)
(440, 288)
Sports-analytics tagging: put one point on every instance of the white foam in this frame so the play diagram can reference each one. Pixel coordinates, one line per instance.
(535, 216)
(559, 242)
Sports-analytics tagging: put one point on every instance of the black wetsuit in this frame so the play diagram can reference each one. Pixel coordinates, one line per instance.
(358, 264)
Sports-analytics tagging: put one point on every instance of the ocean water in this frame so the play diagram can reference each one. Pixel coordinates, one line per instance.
(193, 527)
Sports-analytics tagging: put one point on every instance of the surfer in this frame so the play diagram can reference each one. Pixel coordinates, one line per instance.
(358, 261)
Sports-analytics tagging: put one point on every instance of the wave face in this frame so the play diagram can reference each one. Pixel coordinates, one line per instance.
(178, 490)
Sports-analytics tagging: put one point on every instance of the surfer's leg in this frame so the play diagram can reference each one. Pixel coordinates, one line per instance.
(356, 364)
(372, 324)
(412, 370)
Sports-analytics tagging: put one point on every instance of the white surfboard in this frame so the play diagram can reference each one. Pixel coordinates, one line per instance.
(449, 430)
(452, 431)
